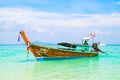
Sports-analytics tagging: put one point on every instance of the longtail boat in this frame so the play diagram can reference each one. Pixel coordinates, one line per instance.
(67, 49)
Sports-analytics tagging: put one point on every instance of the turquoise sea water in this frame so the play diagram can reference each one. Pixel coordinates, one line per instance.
(14, 65)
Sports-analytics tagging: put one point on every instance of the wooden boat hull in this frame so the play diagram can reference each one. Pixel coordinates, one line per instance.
(41, 51)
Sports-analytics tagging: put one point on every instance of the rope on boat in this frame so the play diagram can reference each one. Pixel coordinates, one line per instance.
(28, 49)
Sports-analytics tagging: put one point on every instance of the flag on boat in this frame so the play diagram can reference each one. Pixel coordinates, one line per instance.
(19, 38)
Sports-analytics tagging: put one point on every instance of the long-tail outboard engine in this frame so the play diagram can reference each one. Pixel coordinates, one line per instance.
(95, 47)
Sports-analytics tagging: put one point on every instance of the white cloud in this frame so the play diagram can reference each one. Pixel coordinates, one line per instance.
(37, 29)
(12, 18)
(102, 32)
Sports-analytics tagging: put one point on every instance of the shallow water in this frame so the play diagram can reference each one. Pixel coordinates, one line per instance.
(14, 65)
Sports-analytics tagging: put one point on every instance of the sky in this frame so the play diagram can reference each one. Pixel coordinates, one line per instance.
(60, 20)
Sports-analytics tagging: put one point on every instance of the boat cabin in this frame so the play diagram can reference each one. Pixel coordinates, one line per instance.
(74, 47)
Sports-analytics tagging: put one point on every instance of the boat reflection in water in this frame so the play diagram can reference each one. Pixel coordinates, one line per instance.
(80, 68)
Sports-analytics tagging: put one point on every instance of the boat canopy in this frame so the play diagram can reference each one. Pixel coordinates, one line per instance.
(67, 44)
(86, 38)
(91, 36)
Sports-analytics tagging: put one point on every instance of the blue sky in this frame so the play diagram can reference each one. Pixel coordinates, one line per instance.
(60, 20)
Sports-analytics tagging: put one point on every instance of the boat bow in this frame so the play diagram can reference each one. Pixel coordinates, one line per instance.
(26, 40)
